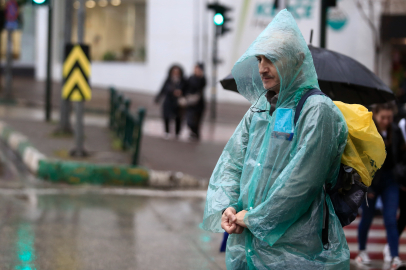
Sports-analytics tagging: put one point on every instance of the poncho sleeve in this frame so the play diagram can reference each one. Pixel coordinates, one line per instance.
(321, 135)
(224, 186)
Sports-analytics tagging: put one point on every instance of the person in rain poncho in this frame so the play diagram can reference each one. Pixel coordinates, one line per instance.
(267, 187)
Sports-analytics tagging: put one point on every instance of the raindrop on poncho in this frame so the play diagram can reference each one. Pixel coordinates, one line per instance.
(275, 170)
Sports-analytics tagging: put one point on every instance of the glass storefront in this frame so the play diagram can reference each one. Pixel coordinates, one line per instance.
(115, 29)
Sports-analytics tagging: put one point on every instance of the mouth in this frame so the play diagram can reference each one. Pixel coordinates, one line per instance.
(267, 78)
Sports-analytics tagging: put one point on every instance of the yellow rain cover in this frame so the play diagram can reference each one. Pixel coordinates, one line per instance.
(365, 149)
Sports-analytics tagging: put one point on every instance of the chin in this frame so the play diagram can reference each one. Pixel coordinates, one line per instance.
(268, 86)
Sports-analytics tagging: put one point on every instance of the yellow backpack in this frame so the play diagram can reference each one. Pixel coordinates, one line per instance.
(365, 149)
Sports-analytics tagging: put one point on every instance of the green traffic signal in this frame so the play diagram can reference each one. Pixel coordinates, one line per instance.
(221, 18)
(40, 2)
(218, 19)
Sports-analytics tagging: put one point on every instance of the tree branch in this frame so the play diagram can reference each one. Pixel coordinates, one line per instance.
(368, 20)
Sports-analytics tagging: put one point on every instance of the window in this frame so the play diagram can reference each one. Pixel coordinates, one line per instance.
(115, 29)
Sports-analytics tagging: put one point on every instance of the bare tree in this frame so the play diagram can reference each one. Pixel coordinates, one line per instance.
(370, 20)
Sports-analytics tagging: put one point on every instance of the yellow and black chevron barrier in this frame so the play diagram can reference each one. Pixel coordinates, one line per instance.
(76, 73)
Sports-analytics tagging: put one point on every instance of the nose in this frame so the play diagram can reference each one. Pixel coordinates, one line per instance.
(263, 68)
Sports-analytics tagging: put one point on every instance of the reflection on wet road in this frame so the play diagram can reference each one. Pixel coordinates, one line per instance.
(48, 227)
(105, 232)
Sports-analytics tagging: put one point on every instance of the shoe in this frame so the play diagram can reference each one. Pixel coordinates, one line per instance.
(396, 263)
(386, 254)
(167, 136)
(363, 258)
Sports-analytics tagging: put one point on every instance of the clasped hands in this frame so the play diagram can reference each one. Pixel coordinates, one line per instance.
(232, 222)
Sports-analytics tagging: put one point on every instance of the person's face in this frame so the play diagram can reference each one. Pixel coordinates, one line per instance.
(383, 119)
(175, 73)
(268, 72)
(198, 71)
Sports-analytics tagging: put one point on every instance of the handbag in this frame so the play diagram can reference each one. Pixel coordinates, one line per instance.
(192, 99)
(182, 102)
(189, 100)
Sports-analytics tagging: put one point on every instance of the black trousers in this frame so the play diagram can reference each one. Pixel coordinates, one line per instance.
(178, 124)
(194, 120)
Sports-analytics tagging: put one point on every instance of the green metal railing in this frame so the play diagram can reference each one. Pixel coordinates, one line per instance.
(127, 127)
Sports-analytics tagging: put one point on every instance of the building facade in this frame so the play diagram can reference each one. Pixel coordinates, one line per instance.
(134, 42)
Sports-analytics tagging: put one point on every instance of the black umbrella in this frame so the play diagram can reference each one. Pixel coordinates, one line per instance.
(341, 78)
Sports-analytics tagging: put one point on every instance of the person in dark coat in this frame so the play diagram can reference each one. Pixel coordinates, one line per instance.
(384, 185)
(172, 91)
(196, 102)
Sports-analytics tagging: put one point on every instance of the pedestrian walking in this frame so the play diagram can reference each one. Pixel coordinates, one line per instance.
(385, 186)
(195, 101)
(173, 90)
(266, 190)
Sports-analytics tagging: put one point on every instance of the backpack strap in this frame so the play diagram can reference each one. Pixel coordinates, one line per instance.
(302, 101)
(326, 212)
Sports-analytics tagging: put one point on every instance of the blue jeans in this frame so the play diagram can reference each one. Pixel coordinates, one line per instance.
(388, 189)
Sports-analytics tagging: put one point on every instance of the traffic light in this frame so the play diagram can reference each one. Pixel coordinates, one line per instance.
(220, 17)
(331, 3)
(40, 2)
(276, 4)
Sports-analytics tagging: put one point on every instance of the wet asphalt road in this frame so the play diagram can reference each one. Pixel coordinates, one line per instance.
(91, 228)
(45, 226)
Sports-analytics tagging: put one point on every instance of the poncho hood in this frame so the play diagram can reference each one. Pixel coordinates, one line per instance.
(283, 44)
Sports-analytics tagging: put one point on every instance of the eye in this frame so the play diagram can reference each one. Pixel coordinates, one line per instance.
(258, 59)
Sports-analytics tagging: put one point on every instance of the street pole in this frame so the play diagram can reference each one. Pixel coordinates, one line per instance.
(213, 101)
(323, 23)
(48, 89)
(65, 108)
(9, 62)
(79, 151)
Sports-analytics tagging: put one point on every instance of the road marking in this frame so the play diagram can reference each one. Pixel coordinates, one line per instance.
(376, 240)
(107, 191)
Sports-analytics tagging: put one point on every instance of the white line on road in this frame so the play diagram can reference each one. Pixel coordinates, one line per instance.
(108, 191)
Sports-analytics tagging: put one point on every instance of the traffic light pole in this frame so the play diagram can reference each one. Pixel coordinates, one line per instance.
(65, 108)
(213, 101)
(48, 89)
(323, 24)
(9, 63)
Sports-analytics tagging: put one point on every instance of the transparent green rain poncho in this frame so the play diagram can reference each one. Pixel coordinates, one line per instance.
(275, 170)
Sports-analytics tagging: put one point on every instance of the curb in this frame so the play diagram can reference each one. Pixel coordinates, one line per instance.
(58, 171)
(20, 144)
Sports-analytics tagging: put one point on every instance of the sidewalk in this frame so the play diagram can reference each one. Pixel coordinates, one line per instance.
(195, 159)
(31, 93)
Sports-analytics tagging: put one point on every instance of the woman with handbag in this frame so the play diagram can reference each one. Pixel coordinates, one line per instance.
(195, 101)
(173, 92)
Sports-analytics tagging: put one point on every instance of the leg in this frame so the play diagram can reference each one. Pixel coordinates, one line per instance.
(390, 200)
(402, 215)
(199, 117)
(366, 220)
(178, 124)
(167, 122)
